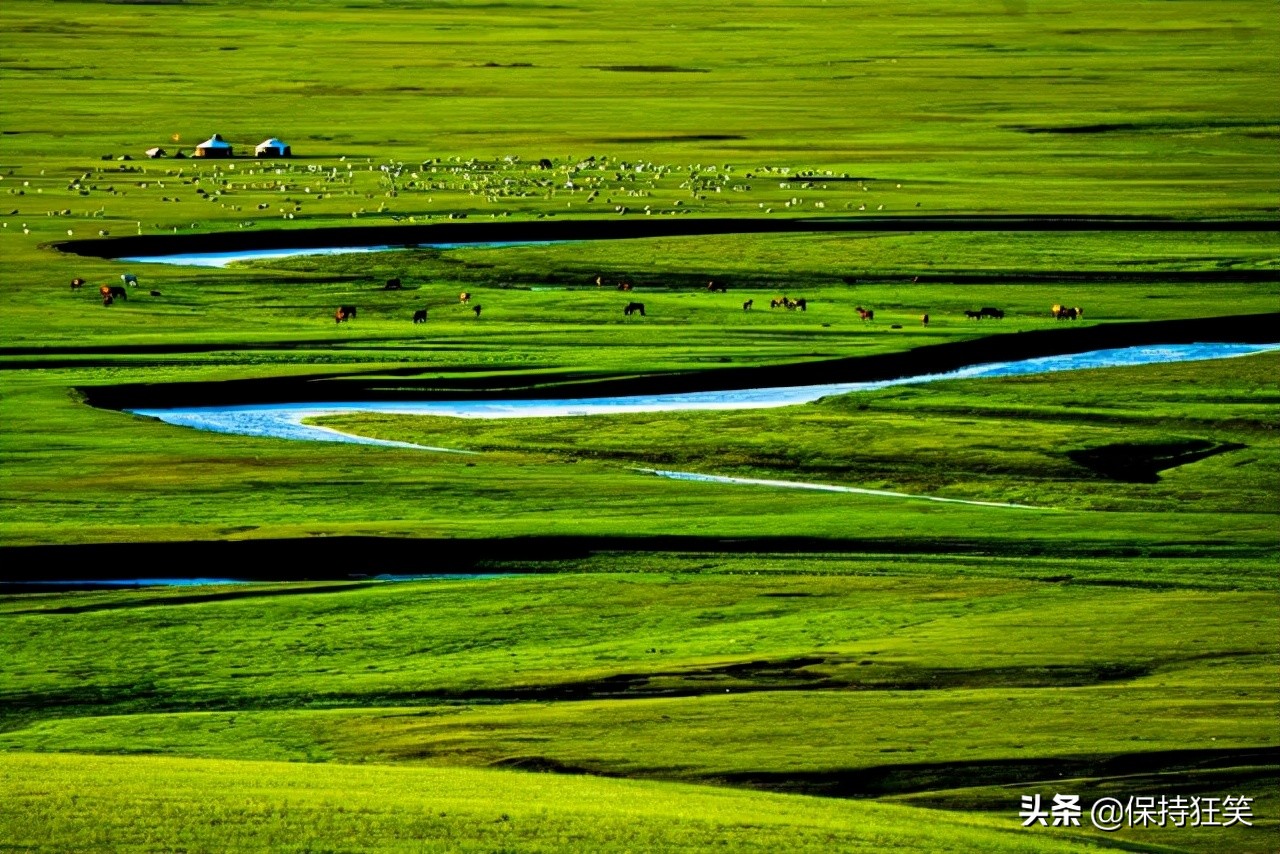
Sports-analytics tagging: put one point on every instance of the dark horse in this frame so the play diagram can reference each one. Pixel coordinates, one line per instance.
(344, 313)
(633, 307)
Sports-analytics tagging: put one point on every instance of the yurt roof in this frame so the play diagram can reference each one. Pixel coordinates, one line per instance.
(272, 143)
(215, 141)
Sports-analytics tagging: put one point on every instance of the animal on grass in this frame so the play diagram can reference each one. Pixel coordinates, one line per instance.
(476, 309)
(392, 285)
(865, 313)
(113, 291)
(924, 320)
(107, 299)
(973, 315)
(1065, 312)
(77, 283)
(717, 287)
(988, 311)
(624, 286)
(746, 306)
(129, 278)
(156, 293)
(633, 307)
(801, 304)
(344, 313)
(464, 297)
(420, 316)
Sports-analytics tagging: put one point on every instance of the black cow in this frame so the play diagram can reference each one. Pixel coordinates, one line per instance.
(420, 316)
(344, 313)
(77, 283)
(988, 311)
(477, 309)
(392, 285)
(633, 307)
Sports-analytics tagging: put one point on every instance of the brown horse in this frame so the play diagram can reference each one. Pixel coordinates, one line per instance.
(865, 313)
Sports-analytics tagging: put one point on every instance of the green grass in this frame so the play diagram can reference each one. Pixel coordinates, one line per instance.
(78, 803)
(940, 660)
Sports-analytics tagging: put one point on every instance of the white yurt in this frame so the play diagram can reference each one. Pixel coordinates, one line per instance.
(272, 148)
(214, 146)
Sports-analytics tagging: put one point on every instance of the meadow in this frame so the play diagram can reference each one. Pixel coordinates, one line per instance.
(611, 660)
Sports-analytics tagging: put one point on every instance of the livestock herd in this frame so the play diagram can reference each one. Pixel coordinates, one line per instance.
(110, 293)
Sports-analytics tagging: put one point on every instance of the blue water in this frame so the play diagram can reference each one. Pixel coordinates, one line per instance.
(285, 420)
(222, 259)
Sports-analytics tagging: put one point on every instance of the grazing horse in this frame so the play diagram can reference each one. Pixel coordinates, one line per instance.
(113, 291)
(924, 320)
(77, 283)
(988, 311)
(775, 303)
(713, 287)
(746, 306)
(464, 297)
(392, 285)
(344, 313)
(633, 307)
(801, 304)
(476, 309)
(420, 316)
(129, 278)
(865, 313)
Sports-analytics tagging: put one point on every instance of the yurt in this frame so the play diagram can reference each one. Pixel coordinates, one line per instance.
(214, 146)
(272, 148)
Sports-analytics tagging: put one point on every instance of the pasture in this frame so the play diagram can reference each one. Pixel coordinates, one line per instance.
(614, 660)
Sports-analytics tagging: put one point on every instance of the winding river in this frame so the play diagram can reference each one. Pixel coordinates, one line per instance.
(288, 420)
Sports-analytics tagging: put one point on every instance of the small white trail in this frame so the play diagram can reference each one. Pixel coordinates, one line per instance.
(826, 487)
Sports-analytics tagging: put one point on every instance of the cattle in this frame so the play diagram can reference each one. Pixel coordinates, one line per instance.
(746, 306)
(77, 283)
(113, 291)
(1063, 312)
(633, 307)
(784, 302)
(129, 278)
(924, 320)
(420, 316)
(717, 287)
(801, 304)
(994, 313)
(476, 309)
(973, 315)
(156, 293)
(392, 285)
(107, 299)
(464, 297)
(344, 313)
(865, 313)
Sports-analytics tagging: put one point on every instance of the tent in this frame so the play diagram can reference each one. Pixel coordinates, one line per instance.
(272, 148)
(214, 146)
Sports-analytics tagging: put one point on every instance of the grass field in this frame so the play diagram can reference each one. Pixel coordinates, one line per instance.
(617, 661)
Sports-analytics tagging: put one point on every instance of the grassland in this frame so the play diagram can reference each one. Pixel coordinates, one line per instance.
(642, 664)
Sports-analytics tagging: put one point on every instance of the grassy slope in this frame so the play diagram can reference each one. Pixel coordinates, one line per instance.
(80, 803)
(967, 109)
